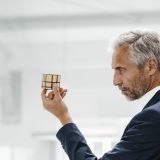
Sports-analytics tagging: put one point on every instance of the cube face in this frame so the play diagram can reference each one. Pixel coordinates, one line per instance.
(48, 80)
(54, 78)
(48, 84)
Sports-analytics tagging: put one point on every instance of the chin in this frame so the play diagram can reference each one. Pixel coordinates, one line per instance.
(132, 97)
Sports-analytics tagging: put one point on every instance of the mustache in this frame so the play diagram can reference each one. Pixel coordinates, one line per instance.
(122, 88)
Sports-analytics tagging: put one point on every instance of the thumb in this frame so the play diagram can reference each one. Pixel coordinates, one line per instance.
(56, 91)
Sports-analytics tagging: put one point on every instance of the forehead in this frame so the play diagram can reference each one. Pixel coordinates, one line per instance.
(120, 57)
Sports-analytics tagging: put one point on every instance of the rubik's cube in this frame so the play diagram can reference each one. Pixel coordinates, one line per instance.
(48, 80)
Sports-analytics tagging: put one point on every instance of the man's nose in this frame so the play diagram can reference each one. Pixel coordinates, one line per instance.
(117, 80)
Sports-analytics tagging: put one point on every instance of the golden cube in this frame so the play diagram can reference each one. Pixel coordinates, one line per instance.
(48, 80)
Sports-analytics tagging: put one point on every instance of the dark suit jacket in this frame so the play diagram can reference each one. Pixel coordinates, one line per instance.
(140, 140)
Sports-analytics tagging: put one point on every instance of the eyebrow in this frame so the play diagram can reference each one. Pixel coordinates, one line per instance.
(118, 68)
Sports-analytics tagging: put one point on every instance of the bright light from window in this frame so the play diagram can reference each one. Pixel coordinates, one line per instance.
(5, 153)
(23, 153)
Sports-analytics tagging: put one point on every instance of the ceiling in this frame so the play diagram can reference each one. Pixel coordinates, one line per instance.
(25, 8)
(31, 22)
(55, 13)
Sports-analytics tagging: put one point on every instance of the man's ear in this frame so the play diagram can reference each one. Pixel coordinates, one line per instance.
(152, 66)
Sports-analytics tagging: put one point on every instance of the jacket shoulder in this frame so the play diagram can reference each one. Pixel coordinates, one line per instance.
(150, 113)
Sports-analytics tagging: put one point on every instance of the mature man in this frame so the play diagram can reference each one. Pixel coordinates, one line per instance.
(136, 62)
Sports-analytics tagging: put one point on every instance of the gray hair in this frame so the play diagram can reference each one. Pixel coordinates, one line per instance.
(142, 46)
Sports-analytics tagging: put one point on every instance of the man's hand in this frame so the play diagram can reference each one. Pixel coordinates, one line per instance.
(53, 103)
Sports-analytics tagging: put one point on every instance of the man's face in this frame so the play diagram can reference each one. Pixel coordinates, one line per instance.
(132, 81)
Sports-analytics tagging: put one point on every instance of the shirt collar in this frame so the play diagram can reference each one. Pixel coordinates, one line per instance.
(145, 98)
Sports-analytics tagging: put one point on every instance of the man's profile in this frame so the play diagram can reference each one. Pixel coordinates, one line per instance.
(136, 65)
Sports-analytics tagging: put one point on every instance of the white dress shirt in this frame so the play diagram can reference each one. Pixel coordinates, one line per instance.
(147, 97)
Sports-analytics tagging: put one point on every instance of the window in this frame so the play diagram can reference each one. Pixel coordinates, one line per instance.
(16, 153)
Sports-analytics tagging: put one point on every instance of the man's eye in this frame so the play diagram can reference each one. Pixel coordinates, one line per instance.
(121, 71)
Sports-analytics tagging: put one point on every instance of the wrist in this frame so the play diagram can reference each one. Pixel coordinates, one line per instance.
(65, 119)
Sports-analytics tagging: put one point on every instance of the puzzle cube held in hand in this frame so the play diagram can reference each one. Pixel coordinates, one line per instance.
(48, 80)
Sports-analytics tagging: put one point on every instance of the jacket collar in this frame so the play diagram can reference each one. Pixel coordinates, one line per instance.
(153, 100)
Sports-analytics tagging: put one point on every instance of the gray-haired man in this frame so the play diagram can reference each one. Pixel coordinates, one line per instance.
(136, 62)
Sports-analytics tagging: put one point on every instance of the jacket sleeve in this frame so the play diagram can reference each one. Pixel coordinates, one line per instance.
(74, 143)
(140, 141)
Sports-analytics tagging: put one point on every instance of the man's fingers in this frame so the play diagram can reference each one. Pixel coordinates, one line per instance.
(63, 94)
(56, 93)
(61, 90)
(43, 94)
(50, 95)
(56, 90)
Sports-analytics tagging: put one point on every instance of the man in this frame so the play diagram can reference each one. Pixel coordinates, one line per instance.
(136, 62)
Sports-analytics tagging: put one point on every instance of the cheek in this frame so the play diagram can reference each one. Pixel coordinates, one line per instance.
(129, 77)
(130, 80)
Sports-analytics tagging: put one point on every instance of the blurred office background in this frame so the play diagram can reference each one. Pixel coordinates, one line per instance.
(70, 38)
